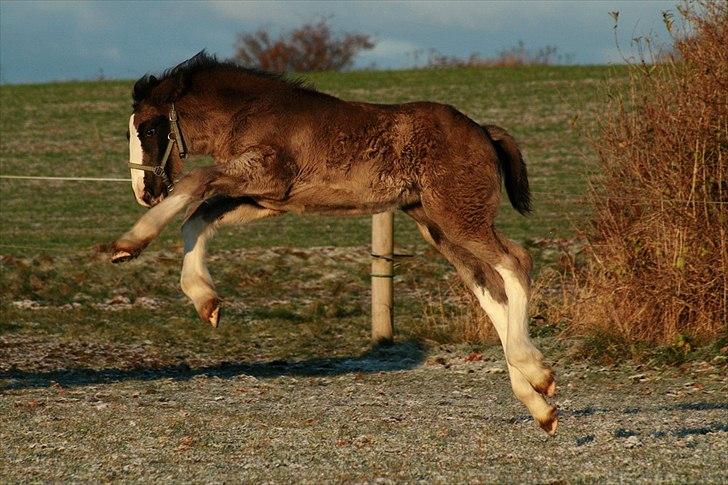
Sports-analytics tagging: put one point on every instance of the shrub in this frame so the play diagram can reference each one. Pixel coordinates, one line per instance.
(515, 56)
(657, 266)
(311, 47)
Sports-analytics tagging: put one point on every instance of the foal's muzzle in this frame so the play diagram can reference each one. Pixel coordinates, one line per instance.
(152, 200)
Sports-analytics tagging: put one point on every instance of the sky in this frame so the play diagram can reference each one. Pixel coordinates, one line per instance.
(63, 40)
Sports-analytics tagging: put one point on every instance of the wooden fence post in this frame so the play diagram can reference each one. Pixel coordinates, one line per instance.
(382, 275)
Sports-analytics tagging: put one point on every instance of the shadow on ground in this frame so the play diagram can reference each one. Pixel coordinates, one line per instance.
(380, 358)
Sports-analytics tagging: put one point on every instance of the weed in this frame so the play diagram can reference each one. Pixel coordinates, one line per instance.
(656, 266)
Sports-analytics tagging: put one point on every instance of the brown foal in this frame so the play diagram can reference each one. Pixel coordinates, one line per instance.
(280, 146)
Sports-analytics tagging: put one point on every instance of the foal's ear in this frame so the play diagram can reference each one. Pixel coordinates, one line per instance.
(171, 89)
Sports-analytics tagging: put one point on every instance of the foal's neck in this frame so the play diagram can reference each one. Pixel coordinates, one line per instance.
(203, 124)
(206, 117)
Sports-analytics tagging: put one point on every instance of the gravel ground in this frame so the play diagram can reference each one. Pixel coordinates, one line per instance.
(396, 414)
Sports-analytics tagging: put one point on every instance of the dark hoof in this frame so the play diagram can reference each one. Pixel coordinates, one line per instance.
(122, 251)
(550, 423)
(122, 257)
(210, 312)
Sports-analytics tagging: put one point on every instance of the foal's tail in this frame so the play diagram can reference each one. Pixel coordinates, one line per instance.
(512, 167)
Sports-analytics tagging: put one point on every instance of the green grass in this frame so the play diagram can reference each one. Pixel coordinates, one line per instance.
(77, 129)
(276, 302)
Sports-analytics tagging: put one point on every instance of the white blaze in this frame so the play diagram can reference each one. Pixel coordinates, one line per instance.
(135, 156)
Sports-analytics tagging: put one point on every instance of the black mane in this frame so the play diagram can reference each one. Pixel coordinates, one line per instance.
(202, 61)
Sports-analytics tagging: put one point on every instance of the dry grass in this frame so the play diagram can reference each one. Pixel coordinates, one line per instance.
(452, 314)
(657, 258)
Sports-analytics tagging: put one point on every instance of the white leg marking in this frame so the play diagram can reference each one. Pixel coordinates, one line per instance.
(499, 315)
(497, 312)
(153, 221)
(136, 155)
(195, 279)
(520, 352)
(518, 342)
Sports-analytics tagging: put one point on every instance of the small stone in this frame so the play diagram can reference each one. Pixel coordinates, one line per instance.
(147, 302)
(27, 304)
(632, 442)
(362, 441)
(118, 300)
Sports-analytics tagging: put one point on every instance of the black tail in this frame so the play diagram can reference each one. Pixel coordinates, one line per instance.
(512, 167)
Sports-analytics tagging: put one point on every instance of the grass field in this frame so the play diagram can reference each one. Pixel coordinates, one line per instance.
(77, 129)
(105, 372)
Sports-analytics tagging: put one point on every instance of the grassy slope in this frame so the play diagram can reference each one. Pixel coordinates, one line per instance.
(78, 129)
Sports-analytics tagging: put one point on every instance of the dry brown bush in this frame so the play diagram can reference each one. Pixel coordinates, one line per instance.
(311, 47)
(657, 258)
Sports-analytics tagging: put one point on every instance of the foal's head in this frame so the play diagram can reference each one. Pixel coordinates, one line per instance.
(150, 132)
(150, 127)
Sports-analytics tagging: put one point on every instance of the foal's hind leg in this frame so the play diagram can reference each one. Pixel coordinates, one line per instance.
(190, 188)
(488, 285)
(530, 378)
(196, 231)
(514, 265)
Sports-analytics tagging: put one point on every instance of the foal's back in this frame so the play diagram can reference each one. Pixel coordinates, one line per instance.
(380, 156)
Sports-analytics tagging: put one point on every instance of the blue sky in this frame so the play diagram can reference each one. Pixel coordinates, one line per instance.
(59, 40)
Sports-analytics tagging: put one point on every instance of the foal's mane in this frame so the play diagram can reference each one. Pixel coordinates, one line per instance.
(204, 62)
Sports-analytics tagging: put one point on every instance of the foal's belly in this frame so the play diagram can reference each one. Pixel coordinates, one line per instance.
(328, 200)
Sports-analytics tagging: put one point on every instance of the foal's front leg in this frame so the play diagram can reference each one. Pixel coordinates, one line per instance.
(190, 188)
(196, 231)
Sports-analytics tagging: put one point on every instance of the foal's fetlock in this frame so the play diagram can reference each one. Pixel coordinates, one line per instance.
(541, 377)
(547, 386)
(203, 296)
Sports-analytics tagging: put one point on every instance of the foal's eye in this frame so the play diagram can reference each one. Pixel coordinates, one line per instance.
(149, 132)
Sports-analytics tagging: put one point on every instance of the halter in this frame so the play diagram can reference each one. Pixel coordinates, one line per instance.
(175, 136)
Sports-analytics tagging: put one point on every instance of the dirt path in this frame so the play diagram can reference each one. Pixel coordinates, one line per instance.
(391, 415)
